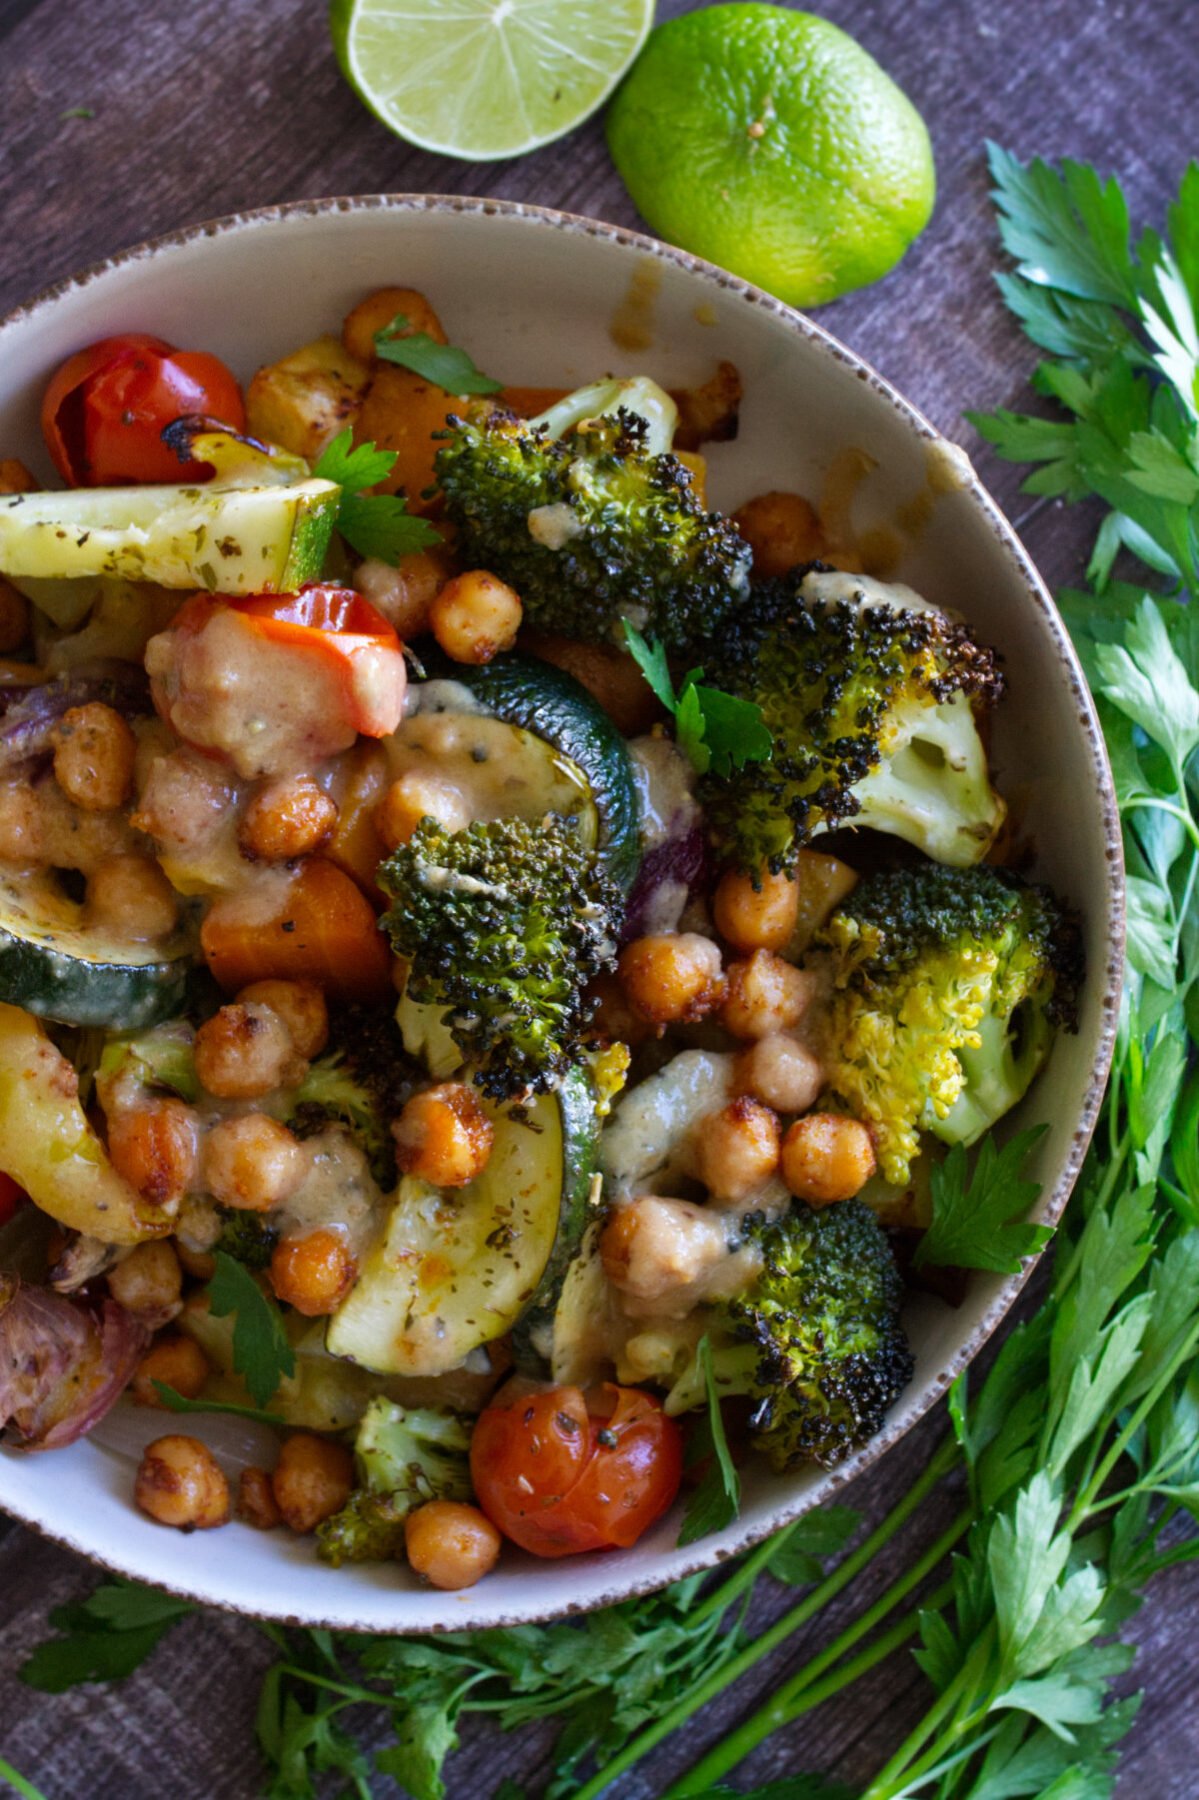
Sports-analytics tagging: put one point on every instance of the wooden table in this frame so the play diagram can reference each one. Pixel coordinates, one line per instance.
(123, 120)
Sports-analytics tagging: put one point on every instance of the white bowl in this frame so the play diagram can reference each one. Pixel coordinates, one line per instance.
(532, 294)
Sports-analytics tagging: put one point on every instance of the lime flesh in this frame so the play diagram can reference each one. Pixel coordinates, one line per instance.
(486, 78)
(770, 142)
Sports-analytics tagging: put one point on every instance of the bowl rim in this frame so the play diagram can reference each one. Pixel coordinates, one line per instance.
(707, 1553)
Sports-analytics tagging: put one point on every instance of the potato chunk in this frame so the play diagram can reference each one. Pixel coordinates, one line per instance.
(302, 402)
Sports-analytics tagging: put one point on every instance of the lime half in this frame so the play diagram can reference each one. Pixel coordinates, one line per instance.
(486, 78)
(770, 142)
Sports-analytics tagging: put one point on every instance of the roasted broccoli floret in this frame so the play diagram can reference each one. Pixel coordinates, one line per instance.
(815, 1342)
(503, 925)
(869, 696)
(249, 1237)
(589, 516)
(361, 1081)
(402, 1458)
(947, 987)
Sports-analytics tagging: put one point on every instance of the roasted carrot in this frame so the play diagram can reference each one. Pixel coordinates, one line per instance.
(323, 929)
(375, 314)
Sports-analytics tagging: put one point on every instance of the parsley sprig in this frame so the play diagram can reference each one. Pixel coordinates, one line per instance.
(262, 1355)
(714, 730)
(445, 365)
(377, 525)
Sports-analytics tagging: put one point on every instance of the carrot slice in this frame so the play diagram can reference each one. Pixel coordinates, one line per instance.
(322, 929)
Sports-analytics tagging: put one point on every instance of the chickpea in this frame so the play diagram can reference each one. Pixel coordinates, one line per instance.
(175, 1360)
(651, 1246)
(827, 1157)
(738, 1149)
(132, 893)
(149, 1281)
(313, 1272)
(475, 616)
(244, 1051)
(156, 1147)
(781, 1071)
(405, 593)
(614, 1018)
(256, 1500)
(443, 1135)
(756, 918)
(781, 530)
(416, 796)
(312, 1480)
(287, 818)
(14, 619)
(671, 977)
(20, 834)
(253, 1163)
(301, 1006)
(450, 1544)
(179, 1482)
(94, 754)
(199, 1264)
(766, 994)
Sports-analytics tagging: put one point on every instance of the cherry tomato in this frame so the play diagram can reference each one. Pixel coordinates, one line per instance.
(12, 1196)
(105, 410)
(562, 1471)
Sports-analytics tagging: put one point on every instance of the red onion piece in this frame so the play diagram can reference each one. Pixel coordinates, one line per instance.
(62, 1364)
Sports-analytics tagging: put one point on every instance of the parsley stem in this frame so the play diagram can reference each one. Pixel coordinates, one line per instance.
(18, 1782)
(722, 1597)
(348, 1690)
(942, 1460)
(902, 1769)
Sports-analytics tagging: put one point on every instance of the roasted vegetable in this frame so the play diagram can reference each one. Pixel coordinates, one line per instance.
(402, 1459)
(63, 1364)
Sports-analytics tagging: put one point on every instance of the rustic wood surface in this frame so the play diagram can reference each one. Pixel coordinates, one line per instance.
(210, 108)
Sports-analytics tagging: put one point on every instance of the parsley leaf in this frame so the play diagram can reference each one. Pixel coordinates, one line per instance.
(262, 1355)
(445, 365)
(716, 1502)
(105, 1637)
(178, 1403)
(800, 1550)
(714, 730)
(378, 525)
(978, 1222)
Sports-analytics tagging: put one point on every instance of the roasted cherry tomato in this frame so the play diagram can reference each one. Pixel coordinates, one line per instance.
(105, 410)
(562, 1471)
(12, 1196)
(278, 681)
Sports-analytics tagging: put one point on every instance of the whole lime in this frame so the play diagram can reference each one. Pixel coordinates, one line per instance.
(770, 142)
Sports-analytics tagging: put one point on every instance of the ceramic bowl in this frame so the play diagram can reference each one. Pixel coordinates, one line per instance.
(543, 298)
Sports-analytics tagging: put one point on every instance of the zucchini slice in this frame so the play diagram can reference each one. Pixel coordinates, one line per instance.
(229, 540)
(55, 965)
(536, 697)
(457, 1268)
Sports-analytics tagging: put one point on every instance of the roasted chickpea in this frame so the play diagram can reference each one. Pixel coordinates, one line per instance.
(244, 1051)
(312, 1273)
(475, 616)
(781, 1071)
(149, 1281)
(781, 530)
(288, 818)
(20, 836)
(199, 1264)
(14, 619)
(405, 593)
(827, 1157)
(450, 1544)
(614, 1018)
(766, 994)
(156, 1147)
(175, 1360)
(253, 1163)
(443, 1135)
(671, 977)
(179, 1482)
(737, 1149)
(312, 1480)
(416, 796)
(133, 894)
(256, 1500)
(756, 918)
(94, 754)
(650, 1247)
(301, 1006)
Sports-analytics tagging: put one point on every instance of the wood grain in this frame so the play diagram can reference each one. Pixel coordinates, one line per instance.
(210, 108)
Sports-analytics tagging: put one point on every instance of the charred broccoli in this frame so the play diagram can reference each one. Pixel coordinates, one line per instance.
(815, 1342)
(869, 697)
(248, 1237)
(402, 1458)
(361, 1081)
(588, 515)
(948, 984)
(503, 924)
